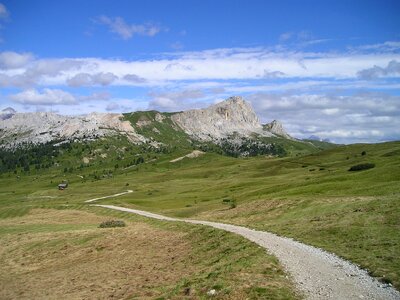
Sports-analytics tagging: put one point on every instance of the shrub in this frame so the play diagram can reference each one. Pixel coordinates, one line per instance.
(363, 153)
(361, 167)
(112, 223)
(232, 204)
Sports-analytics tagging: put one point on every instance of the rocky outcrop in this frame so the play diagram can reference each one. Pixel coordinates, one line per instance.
(233, 115)
(44, 127)
(276, 128)
(227, 119)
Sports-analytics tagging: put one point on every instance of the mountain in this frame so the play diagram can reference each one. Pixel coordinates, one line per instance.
(276, 128)
(44, 127)
(232, 117)
(230, 127)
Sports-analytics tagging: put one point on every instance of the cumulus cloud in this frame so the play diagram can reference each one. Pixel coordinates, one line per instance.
(366, 117)
(13, 60)
(392, 69)
(30, 73)
(112, 106)
(174, 101)
(126, 31)
(46, 97)
(80, 79)
(134, 78)
(103, 78)
(85, 79)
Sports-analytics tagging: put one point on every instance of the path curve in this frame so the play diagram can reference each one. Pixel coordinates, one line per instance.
(317, 273)
(111, 196)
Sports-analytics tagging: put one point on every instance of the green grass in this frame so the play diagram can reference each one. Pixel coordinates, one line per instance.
(312, 198)
(224, 261)
(228, 263)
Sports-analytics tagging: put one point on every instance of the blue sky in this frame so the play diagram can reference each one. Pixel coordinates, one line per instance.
(324, 68)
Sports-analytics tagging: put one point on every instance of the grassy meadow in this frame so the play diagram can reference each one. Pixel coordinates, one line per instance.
(312, 198)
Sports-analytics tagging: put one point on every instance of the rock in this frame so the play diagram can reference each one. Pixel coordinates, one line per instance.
(276, 128)
(233, 118)
(43, 127)
(212, 292)
(159, 117)
(218, 121)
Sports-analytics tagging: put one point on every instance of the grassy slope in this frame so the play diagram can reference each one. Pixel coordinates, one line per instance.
(62, 253)
(312, 198)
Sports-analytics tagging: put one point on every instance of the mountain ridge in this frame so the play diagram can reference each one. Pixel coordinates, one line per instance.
(234, 116)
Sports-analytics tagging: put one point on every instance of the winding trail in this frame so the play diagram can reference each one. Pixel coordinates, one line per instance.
(111, 196)
(317, 273)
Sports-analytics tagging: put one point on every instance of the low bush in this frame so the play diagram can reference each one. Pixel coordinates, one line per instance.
(361, 167)
(232, 204)
(112, 223)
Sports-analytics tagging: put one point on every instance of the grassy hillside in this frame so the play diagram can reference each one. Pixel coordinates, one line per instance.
(313, 198)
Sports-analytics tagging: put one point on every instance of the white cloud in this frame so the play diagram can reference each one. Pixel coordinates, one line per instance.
(3, 12)
(388, 46)
(47, 97)
(112, 106)
(218, 64)
(85, 79)
(13, 60)
(367, 117)
(104, 78)
(35, 72)
(134, 78)
(285, 36)
(392, 69)
(80, 79)
(126, 31)
(175, 100)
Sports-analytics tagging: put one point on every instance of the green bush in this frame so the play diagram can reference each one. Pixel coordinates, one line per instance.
(361, 167)
(112, 223)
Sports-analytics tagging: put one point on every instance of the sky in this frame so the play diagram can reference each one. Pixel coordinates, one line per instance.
(329, 69)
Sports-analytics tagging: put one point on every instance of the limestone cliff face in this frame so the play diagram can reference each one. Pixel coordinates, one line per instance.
(44, 127)
(276, 128)
(233, 115)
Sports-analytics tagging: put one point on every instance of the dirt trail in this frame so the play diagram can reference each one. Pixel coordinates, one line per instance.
(111, 196)
(318, 274)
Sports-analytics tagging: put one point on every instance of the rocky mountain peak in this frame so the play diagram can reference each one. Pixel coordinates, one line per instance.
(234, 115)
(276, 128)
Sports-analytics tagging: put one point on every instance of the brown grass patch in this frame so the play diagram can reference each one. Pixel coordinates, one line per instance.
(136, 261)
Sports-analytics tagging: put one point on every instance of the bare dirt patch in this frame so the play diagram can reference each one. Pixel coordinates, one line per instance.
(193, 154)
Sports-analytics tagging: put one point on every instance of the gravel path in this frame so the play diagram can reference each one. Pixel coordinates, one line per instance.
(318, 274)
(111, 196)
